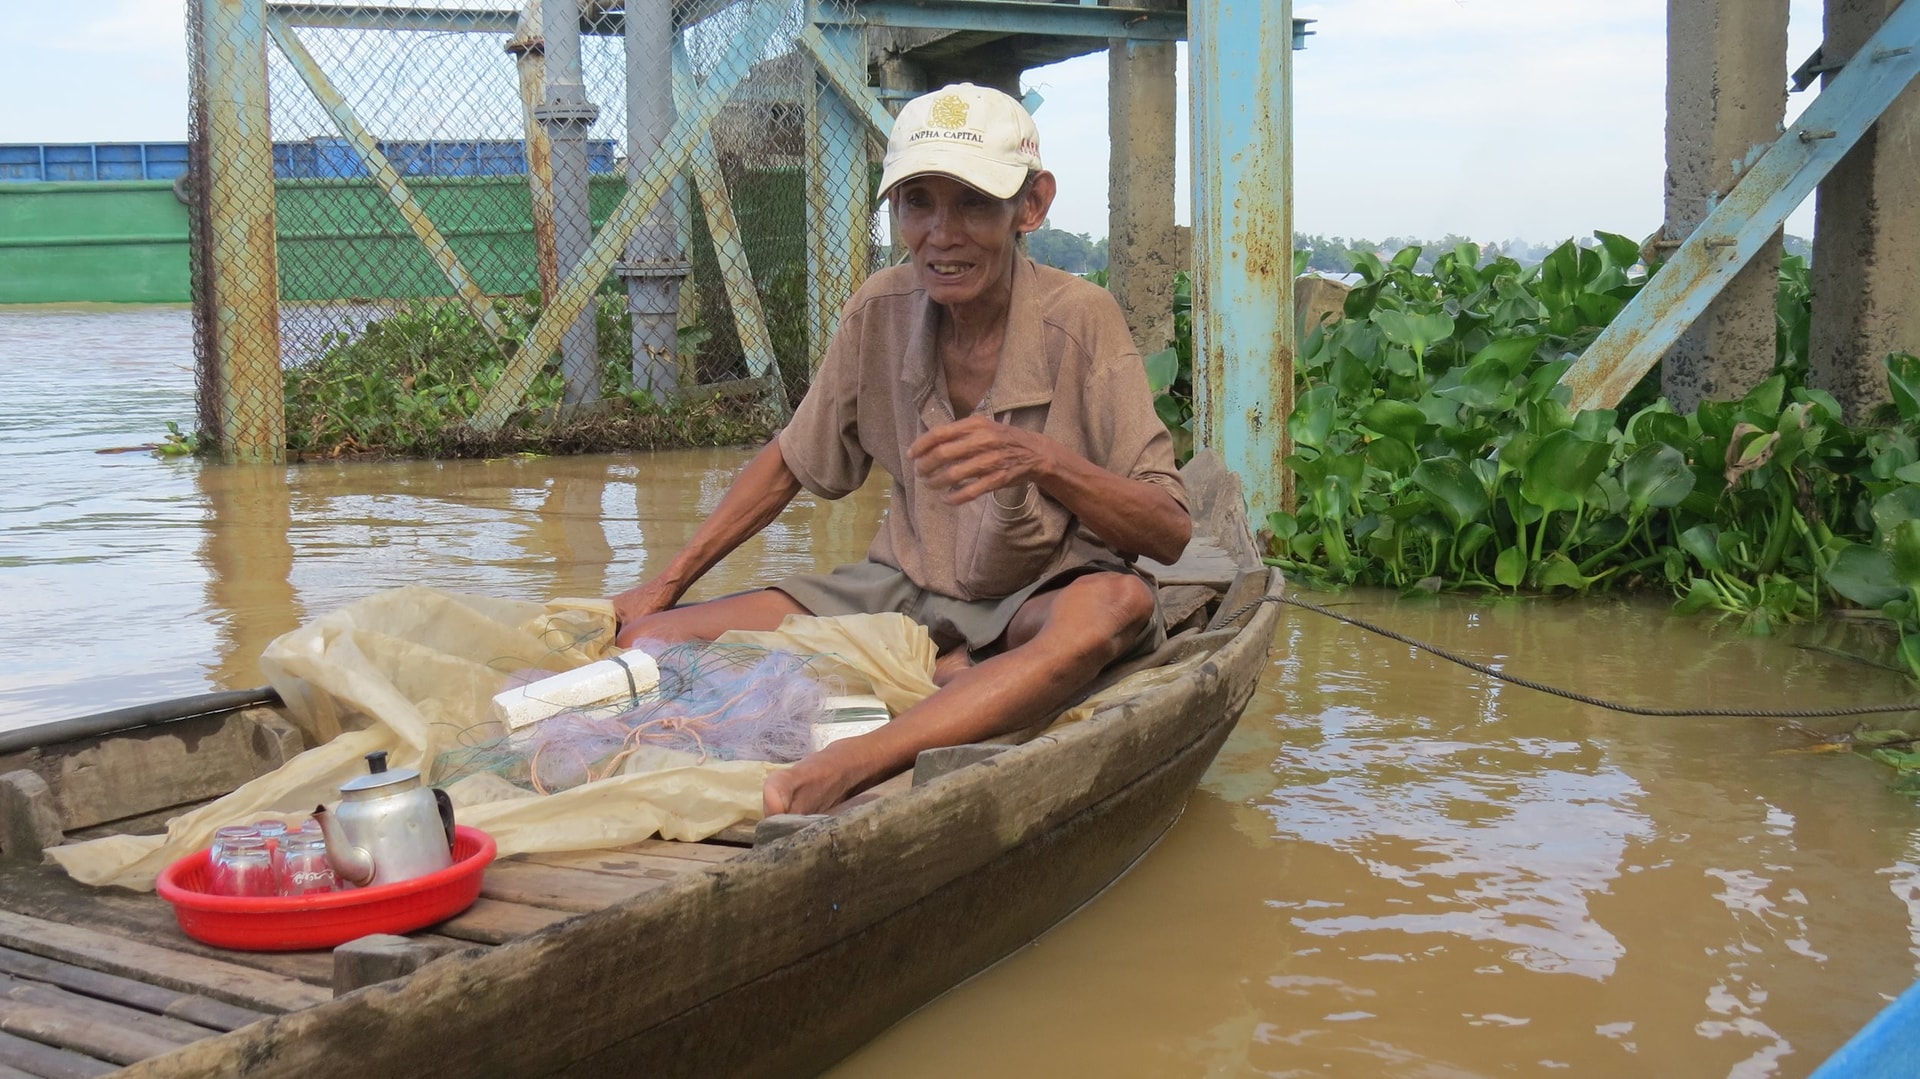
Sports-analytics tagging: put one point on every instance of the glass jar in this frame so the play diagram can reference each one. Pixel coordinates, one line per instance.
(275, 834)
(303, 866)
(242, 866)
(224, 838)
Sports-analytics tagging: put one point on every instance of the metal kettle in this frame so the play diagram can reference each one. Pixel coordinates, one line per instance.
(389, 827)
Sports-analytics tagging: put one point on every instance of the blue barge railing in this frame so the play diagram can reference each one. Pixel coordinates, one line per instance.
(313, 159)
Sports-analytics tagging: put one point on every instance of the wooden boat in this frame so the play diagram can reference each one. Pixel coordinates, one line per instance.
(772, 950)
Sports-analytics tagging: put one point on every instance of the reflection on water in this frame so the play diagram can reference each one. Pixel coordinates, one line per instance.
(128, 578)
(1396, 868)
(1401, 868)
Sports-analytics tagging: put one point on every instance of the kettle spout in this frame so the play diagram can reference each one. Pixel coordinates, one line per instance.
(350, 863)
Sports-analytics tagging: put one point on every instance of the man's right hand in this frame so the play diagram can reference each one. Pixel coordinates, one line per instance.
(636, 603)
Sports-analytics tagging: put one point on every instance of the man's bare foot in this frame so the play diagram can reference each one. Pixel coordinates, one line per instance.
(951, 664)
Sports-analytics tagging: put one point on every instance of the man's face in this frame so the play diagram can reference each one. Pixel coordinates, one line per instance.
(961, 240)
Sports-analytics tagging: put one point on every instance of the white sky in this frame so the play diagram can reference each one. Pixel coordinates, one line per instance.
(1539, 119)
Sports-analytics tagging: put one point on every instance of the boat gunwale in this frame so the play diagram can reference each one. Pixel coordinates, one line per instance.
(1114, 748)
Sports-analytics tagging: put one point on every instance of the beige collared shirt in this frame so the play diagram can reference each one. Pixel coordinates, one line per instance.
(1069, 369)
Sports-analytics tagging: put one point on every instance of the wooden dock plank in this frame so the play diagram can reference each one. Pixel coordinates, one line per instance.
(493, 921)
(119, 1015)
(48, 1061)
(619, 863)
(193, 1008)
(47, 893)
(576, 891)
(84, 1034)
(221, 980)
(673, 848)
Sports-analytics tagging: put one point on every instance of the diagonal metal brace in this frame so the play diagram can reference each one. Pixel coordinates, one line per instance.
(583, 281)
(471, 295)
(1750, 214)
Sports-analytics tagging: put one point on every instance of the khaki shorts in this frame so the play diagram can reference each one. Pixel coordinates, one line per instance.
(977, 625)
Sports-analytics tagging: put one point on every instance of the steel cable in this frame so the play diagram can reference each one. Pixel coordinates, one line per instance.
(1583, 698)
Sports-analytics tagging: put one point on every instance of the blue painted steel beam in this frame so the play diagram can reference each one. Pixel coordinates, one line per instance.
(459, 20)
(839, 219)
(1750, 214)
(1014, 17)
(1242, 105)
(1031, 17)
(848, 75)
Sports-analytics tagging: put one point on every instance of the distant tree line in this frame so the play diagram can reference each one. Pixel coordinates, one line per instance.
(1078, 252)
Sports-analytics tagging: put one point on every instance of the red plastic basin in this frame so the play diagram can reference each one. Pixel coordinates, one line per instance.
(298, 922)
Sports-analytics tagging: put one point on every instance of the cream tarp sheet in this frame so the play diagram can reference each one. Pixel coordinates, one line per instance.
(413, 670)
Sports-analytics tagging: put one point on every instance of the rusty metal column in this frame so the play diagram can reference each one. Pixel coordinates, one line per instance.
(654, 264)
(566, 114)
(529, 51)
(1241, 87)
(241, 310)
(839, 236)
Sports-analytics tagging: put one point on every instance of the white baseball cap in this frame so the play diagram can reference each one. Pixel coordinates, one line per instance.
(974, 134)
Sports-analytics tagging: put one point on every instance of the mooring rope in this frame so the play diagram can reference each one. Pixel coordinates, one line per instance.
(1583, 698)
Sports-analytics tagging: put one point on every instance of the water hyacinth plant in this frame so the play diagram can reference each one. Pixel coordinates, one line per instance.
(1433, 449)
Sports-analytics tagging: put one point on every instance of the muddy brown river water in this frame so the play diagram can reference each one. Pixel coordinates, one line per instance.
(1397, 867)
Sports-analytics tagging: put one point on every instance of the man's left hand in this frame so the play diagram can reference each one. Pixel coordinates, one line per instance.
(976, 456)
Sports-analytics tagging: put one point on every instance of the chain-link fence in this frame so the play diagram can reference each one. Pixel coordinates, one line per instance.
(429, 171)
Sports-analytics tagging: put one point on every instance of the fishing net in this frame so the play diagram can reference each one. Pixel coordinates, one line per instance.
(727, 702)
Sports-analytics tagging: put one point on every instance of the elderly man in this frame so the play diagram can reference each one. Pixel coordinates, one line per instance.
(1011, 408)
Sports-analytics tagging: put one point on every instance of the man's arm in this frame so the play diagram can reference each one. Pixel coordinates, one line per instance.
(976, 456)
(755, 499)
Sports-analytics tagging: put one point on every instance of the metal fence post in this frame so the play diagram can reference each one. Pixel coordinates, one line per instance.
(566, 114)
(1242, 101)
(655, 263)
(239, 296)
(528, 47)
(838, 228)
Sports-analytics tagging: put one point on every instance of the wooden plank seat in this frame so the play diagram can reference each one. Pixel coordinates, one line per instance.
(93, 979)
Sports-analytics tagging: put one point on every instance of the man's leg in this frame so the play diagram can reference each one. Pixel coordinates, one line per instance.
(1072, 633)
(762, 610)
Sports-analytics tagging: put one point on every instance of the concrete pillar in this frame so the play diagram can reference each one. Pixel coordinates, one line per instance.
(1143, 244)
(1866, 241)
(1726, 101)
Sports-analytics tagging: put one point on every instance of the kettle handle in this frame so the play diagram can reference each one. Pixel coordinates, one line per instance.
(445, 805)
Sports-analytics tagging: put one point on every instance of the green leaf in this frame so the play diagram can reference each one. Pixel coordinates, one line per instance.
(1312, 417)
(1701, 596)
(1282, 525)
(1621, 251)
(1454, 487)
(1656, 476)
(1510, 568)
(1765, 398)
(1509, 354)
(1392, 456)
(1562, 469)
(1470, 540)
(1703, 543)
(1896, 506)
(1864, 575)
(1163, 367)
(1905, 551)
(1394, 419)
(1413, 331)
(1558, 571)
(1903, 380)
